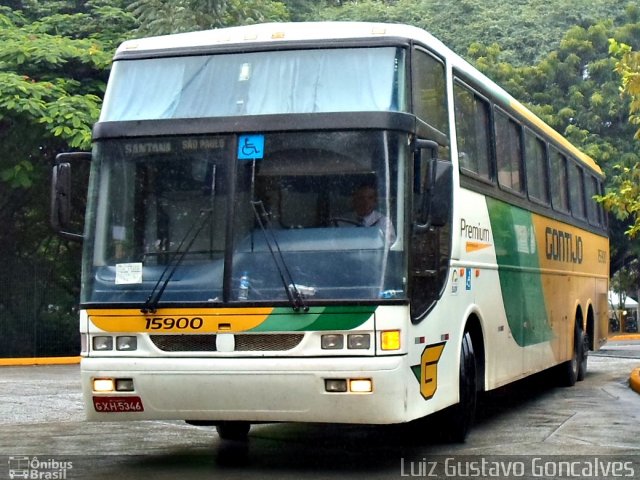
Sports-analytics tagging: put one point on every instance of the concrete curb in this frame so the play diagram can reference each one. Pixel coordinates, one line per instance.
(21, 362)
(624, 336)
(634, 378)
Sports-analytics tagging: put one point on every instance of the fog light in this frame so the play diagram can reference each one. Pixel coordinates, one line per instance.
(126, 343)
(124, 384)
(390, 340)
(335, 385)
(362, 385)
(360, 341)
(332, 342)
(101, 344)
(103, 385)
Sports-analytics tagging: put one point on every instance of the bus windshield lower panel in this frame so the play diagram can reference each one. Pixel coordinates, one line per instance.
(247, 218)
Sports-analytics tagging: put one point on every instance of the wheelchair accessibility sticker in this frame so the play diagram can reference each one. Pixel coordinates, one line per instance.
(250, 147)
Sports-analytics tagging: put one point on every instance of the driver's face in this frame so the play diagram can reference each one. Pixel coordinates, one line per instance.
(364, 201)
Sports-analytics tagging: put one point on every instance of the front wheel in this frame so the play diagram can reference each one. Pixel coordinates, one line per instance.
(233, 430)
(462, 415)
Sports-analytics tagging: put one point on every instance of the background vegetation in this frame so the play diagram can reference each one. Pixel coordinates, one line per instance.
(557, 57)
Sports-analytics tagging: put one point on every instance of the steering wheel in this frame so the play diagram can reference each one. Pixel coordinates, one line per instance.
(336, 220)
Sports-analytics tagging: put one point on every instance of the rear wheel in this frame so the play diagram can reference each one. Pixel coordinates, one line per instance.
(584, 354)
(233, 430)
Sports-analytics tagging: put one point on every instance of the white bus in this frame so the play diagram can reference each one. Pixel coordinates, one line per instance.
(229, 279)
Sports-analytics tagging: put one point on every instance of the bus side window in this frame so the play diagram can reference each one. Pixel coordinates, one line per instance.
(576, 191)
(559, 193)
(472, 130)
(429, 91)
(509, 153)
(594, 214)
(536, 167)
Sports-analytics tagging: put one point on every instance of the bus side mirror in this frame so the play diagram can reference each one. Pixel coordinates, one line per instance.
(432, 186)
(441, 191)
(61, 194)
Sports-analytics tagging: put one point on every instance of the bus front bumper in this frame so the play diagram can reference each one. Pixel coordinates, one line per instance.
(253, 390)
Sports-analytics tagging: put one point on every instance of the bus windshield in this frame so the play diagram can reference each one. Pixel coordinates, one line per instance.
(257, 83)
(324, 210)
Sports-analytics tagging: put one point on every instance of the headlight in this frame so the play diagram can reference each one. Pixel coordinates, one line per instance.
(102, 344)
(126, 343)
(332, 341)
(359, 341)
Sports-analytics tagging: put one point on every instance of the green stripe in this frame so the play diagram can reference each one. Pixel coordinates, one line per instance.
(317, 318)
(518, 268)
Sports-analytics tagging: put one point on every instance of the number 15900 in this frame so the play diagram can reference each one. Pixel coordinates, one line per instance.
(169, 323)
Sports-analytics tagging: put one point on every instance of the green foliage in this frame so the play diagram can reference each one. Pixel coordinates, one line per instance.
(623, 195)
(526, 30)
(19, 175)
(159, 17)
(54, 61)
(52, 80)
(628, 67)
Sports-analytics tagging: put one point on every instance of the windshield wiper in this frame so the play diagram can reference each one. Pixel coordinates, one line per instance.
(291, 289)
(151, 304)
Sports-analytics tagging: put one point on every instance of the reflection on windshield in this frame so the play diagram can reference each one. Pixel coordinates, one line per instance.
(257, 83)
(147, 195)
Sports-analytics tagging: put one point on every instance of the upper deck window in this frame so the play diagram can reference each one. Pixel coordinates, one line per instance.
(257, 83)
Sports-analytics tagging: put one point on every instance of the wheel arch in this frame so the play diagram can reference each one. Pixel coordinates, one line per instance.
(579, 317)
(590, 326)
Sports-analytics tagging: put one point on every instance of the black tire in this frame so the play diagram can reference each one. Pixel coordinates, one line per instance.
(570, 370)
(584, 355)
(462, 415)
(237, 431)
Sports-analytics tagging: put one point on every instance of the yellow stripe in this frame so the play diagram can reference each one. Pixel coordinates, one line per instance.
(6, 362)
(179, 320)
(475, 246)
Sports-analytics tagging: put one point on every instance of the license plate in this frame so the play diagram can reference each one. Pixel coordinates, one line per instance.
(118, 404)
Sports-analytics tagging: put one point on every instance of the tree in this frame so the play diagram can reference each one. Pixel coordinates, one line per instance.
(53, 69)
(623, 195)
(159, 17)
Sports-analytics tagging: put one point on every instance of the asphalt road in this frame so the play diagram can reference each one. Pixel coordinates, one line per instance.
(524, 431)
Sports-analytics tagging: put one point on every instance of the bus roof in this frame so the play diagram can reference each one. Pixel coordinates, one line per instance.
(282, 33)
